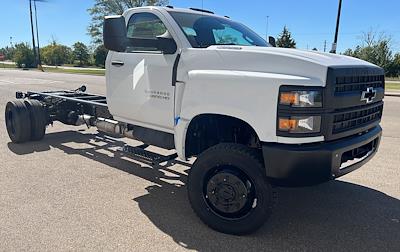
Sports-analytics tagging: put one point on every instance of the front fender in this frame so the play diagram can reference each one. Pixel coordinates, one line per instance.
(249, 96)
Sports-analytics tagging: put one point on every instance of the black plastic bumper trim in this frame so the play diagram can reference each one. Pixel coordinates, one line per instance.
(316, 161)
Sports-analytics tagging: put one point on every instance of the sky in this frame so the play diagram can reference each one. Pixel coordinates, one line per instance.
(310, 21)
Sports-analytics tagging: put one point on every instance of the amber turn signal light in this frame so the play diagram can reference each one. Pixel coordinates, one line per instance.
(287, 124)
(301, 99)
(289, 98)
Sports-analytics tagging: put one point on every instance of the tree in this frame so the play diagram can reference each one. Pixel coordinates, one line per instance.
(348, 52)
(376, 48)
(23, 55)
(81, 53)
(8, 52)
(56, 54)
(104, 8)
(394, 67)
(100, 55)
(285, 39)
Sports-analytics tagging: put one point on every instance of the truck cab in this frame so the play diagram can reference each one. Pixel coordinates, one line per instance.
(252, 114)
(220, 77)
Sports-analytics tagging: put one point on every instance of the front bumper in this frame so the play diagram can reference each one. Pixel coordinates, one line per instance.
(320, 161)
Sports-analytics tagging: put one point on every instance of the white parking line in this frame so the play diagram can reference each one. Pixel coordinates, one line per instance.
(29, 81)
(7, 82)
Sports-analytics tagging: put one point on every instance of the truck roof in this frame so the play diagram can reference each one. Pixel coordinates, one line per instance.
(184, 10)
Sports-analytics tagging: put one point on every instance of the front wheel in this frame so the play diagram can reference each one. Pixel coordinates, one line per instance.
(228, 189)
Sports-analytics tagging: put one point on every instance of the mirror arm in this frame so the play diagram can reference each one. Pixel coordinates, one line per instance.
(272, 41)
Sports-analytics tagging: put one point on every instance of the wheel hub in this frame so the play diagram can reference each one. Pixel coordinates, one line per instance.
(227, 192)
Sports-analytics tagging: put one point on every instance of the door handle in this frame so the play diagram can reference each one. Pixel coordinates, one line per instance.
(117, 63)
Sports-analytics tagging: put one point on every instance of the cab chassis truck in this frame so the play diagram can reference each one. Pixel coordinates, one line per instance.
(253, 115)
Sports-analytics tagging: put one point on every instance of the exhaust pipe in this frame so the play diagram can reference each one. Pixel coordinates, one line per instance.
(109, 126)
(114, 128)
(84, 119)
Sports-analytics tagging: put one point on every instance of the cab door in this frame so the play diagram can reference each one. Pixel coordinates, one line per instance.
(139, 80)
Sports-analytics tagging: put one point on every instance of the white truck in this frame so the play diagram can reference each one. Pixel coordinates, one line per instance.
(254, 115)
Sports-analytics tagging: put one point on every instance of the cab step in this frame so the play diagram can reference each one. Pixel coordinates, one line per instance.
(139, 153)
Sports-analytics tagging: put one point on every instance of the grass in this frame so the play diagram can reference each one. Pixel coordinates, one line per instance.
(77, 65)
(100, 72)
(8, 66)
(392, 86)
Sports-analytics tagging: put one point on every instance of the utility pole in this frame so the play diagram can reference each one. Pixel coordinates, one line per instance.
(266, 29)
(11, 43)
(33, 34)
(334, 45)
(325, 46)
(37, 37)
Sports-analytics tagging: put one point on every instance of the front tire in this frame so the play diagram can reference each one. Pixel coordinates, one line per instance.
(228, 189)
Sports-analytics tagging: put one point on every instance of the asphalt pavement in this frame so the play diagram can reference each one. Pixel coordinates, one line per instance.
(75, 191)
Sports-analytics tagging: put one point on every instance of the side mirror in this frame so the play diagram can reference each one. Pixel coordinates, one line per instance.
(166, 43)
(114, 33)
(271, 41)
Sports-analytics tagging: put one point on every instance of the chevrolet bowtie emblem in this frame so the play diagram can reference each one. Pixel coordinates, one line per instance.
(368, 95)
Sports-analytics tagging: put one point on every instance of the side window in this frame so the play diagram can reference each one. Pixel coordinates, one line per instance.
(142, 27)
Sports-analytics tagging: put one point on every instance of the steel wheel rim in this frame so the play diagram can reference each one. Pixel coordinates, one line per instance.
(229, 192)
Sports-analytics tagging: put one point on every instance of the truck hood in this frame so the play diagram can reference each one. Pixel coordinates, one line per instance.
(315, 57)
(271, 60)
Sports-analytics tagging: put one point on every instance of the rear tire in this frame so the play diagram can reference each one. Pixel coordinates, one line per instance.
(18, 121)
(228, 189)
(38, 118)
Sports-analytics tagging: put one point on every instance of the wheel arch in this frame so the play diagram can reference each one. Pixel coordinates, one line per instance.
(209, 129)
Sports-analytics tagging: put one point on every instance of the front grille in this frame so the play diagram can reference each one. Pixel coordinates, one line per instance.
(357, 117)
(358, 83)
(354, 100)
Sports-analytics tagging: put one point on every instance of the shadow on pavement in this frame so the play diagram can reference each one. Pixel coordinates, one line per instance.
(333, 216)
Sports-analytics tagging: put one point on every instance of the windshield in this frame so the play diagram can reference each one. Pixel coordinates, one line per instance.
(203, 31)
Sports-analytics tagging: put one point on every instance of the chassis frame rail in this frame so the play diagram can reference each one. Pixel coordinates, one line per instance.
(67, 105)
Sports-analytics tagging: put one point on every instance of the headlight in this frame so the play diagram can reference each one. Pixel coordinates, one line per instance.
(300, 124)
(301, 98)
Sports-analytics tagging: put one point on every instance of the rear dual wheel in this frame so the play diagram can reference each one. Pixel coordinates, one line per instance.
(38, 117)
(25, 120)
(18, 121)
